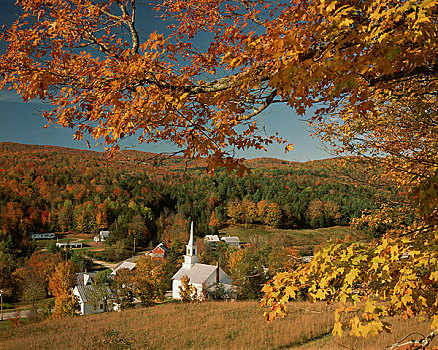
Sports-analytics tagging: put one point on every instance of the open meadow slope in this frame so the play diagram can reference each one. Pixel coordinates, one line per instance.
(304, 241)
(208, 325)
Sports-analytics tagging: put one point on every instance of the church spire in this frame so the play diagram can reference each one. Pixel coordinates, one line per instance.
(191, 235)
(191, 256)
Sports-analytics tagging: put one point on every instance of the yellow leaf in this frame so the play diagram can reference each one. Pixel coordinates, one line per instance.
(337, 328)
(289, 147)
(332, 6)
(320, 294)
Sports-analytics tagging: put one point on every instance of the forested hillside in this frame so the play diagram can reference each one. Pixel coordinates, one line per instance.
(152, 197)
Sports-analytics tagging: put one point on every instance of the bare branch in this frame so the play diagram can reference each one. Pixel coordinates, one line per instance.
(264, 105)
(416, 344)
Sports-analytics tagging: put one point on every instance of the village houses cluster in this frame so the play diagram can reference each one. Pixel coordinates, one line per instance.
(204, 278)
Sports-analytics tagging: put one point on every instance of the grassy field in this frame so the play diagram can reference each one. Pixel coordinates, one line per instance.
(303, 240)
(208, 325)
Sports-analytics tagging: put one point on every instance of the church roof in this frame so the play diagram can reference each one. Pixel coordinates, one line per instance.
(199, 273)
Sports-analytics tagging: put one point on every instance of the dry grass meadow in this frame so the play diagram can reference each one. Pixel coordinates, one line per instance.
(209, 325)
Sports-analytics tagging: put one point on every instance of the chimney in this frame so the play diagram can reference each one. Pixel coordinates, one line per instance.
(217, 272)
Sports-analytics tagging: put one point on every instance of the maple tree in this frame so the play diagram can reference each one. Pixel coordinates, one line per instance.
(44, 264)
(187, 291)
(125, 293)
(148, 280)
(214, 222)
(174, 229)
(61, 284)
(102, 291)
(368, 66)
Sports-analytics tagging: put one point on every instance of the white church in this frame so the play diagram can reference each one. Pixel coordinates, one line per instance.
(203, 277)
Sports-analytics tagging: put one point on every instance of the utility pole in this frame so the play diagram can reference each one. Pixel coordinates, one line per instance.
(1, 304)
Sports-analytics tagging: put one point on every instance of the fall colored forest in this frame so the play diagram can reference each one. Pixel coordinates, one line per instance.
(152, 197)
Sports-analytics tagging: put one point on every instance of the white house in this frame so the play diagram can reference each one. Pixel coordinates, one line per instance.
(202, 276)
(102, 236)
(214, 239)
(91, 299)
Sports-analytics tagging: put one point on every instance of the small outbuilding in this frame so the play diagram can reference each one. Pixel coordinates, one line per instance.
(46, 235)
(160, 252)
(102, 236)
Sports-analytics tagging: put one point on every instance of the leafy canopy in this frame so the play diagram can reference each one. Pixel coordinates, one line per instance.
(368, 66)
(87, 60)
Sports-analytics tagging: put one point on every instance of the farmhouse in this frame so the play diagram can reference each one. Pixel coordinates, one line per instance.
(203, 277)
(91, 299)
(212, 241)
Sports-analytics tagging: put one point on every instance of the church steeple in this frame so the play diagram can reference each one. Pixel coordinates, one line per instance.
(191, 256)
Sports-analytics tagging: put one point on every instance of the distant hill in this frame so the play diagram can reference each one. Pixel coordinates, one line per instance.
(174, 162)
(49, 188)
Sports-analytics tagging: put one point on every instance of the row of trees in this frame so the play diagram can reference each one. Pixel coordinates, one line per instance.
(248, 212)
(318, 214)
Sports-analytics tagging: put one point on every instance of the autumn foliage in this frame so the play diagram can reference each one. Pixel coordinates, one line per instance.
(381, 106)
(45, 264)
(187, 291)
(61, 284)
(368, 68)
(147, 282)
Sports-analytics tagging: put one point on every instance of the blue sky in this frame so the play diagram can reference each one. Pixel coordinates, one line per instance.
(21, 122)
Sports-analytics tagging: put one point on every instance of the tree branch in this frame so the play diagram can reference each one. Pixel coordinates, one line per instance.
(265, 104)
(417, 344)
